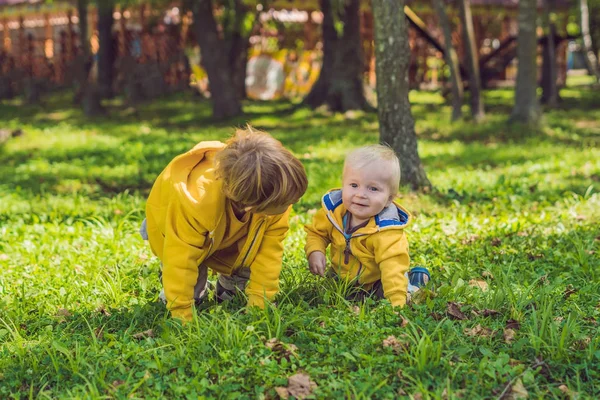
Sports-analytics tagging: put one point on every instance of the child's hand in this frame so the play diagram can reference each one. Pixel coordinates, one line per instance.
(317, 263)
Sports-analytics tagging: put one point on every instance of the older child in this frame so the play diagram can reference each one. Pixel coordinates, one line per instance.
(365, 227)
(223, 207)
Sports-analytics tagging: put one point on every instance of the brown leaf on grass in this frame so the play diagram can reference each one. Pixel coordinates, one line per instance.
(145, 334)
(569, 290)
(436, 316)
(396, 344)
(99, 332)
(522, 234)
(558, 319)
(568, 392)
(117, 383)
(486, 312)
(418, 396)
(401, 392)
(478, 283)
(478, 331)
(582, 344)
(63, 312)
(516, 391)
(496, 242)
(487, 274)
(356, 310)
(281, 350)
(103, 311)
(513, 324)
(591, 320)
(282, 392)
(403, 322)
(509, 335)
(300, 386)
(471, 239)
(322, 324)
(454, 311)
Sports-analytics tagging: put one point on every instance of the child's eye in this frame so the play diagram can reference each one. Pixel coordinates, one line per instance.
(373, 189)
(354, 185)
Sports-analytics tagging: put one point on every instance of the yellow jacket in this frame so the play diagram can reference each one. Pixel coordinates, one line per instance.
(186, 224)
(379, 250)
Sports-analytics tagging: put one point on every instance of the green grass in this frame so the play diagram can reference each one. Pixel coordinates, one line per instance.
(514, 208)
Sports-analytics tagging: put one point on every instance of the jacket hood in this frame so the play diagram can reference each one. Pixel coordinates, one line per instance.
(393, 216)
(193, 176)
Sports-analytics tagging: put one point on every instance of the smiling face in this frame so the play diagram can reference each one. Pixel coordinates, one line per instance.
(366, 191)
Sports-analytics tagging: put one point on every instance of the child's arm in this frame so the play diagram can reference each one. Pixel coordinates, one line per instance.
(185, 247)
(391, 254)
(265, 270)
(318, 236)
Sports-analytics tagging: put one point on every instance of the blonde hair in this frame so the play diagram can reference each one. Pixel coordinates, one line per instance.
(258, 172)
(367, 155)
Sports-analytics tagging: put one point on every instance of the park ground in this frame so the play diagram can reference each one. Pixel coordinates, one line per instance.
(510, 234)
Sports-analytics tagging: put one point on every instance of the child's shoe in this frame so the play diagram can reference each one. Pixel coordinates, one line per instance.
(417, 278)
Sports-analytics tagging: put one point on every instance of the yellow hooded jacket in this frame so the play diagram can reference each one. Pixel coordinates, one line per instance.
(186, 224)
(377, 251)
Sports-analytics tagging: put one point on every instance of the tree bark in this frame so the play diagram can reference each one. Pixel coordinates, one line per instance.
(340, 83)
(451, 60)
(106, 52)
(82, 12)
(392, 58)
(550, 95)
(526, 108)
(472, 61)
(591, 61)
(215, 59)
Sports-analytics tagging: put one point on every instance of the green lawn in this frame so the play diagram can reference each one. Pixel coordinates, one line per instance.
(511, 235)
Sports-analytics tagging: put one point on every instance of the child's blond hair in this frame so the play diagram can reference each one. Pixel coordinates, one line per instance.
(367, 155)
(258, 172)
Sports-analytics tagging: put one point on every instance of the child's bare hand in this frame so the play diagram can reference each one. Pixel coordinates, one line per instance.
(317, 263)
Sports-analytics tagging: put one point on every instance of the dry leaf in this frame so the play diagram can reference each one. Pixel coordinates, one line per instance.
(395, 344)
(569, 290)
(481, 284)
(582, 344)
(496, 242)
(453, 311)
(63, 312)
(517, 391)
(300, 385)
(487, 274)
(99, 333)
(102, 310)
(471, 239)
(403, 322)
(142, 335)
(568, 392)
(401, 392)
(522, 234)
(513, 324)
(445, 394)
(478, 331)
(282, 392)
(509, 335)
(117, 383)
(281, 350)
(418, 396)
(356, 310)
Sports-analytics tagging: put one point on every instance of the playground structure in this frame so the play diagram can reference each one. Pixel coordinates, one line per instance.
(156, 51)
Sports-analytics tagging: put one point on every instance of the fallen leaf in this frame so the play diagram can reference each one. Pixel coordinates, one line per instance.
(454, 311)
(569, 290)
(396, 344)
(300, 385)
(481, 284)
(436, 316)
(471, 239)
(356, 310)
(509, 335)
(478, 331)
(322, 324)
(496, 242)
(517, 391)
(99, 333)
(401, 392)
(281, 350)
(568, 392)
(522, 234)
(486, 312)
(513, 324)
(418, 396)
(445, 394)
(487, 274)
(558, 319)
(582, 344)
(141, 335)
(117, 383)
(282, 392)
(63, 312)
(102, 310)
(403, 322)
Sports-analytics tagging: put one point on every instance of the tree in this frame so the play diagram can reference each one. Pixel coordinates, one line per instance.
(392, 58)
(526, 108)
(472, 61)
(451, 61)
(550, 94)
(340, 83)
(216, 59)
(106, 52)
(590, 58)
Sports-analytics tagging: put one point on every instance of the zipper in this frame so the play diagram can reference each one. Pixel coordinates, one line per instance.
(252, 243)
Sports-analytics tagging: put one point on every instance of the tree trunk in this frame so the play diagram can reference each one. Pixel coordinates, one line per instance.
(472, 61)
(451, 61)
(238, 43)
(591, 61)
(106, 52)
(392, 58)
(550, 94)
(526, 108)
(215, 59)
(340, 83)
(82, 12)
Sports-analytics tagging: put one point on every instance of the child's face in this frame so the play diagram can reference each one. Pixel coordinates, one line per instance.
(366, 191)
